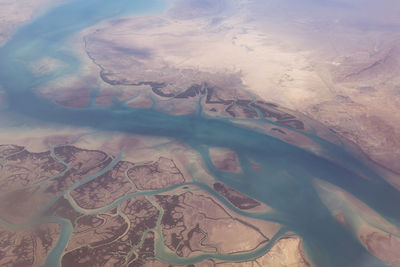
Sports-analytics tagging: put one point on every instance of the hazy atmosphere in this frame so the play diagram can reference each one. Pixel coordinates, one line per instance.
(199, 133)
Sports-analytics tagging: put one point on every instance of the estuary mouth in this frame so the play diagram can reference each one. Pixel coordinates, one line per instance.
(132, 135)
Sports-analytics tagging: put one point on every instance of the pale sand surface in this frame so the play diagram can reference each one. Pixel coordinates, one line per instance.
(378, 235)
(349, 84)
(15, 13)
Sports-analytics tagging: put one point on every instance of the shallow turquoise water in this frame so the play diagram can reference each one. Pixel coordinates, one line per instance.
(54, 257)
(290, 193)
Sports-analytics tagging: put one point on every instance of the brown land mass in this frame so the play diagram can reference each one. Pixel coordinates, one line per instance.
(27, 247)
(238, 199)
(105, 189)
(194, 222)
(383, 245)
(157, 175)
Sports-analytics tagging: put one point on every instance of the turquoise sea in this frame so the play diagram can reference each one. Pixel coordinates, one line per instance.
(299, 209)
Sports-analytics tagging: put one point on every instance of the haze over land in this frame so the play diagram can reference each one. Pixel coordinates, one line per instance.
(334, 61)
(200, 133)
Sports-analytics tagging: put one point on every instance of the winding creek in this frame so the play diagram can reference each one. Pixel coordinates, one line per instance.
(284, 181)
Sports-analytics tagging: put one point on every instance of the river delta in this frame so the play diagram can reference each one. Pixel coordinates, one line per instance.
(156, 177)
